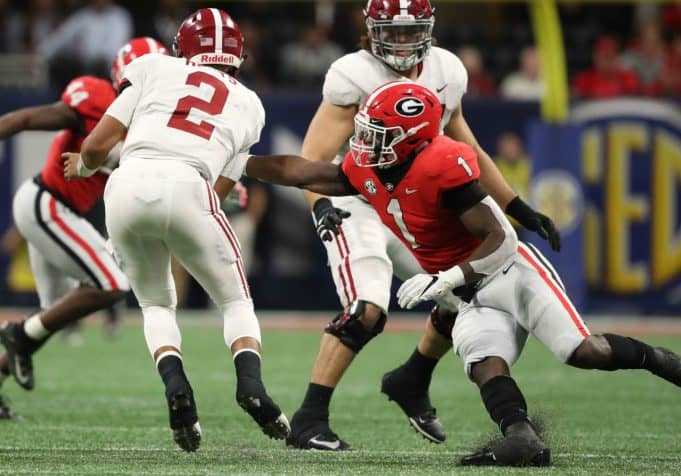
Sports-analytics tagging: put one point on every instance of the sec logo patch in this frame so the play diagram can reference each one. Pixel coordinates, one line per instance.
(370, 186)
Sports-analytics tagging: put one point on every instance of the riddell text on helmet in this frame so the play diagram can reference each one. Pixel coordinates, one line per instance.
(216, 58)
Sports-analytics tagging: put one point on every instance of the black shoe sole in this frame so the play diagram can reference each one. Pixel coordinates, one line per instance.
(487, 458)
(187, 434)
(10, 346)
(278, 427)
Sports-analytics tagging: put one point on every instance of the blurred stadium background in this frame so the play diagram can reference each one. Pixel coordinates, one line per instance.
(579, 103)
(577, 100)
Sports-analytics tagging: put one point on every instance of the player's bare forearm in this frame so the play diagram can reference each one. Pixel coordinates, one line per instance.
(499, 240)
(293, 170)
(330, 127)
(50, 117)
(223, 186)
(490, 177)
(96, 147)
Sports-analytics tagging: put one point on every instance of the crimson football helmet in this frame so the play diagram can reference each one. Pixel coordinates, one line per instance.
(394, 122)
(401, 31)
(133, 49)
(210, 36)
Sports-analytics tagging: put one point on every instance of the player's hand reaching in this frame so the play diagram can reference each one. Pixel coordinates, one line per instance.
(534, 221)
(327, 218)
(74, 167)
(426, 287)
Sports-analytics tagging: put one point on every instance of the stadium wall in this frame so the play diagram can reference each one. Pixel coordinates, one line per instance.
(610, 179)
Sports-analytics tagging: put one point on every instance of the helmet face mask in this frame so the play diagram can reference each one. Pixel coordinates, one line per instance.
(401, 45)
(400, 31)
(372, 143)
(394, 123)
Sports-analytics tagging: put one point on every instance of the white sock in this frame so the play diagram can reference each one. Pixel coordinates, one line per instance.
(160, 328)
(33, 327)
(239, 321)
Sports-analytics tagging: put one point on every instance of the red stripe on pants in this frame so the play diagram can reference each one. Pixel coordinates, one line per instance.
(80, 242)
(556, 290)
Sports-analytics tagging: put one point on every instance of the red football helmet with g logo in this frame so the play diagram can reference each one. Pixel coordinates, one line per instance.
(133, 49)
(210, 36)
(401, 31)
(393, 123)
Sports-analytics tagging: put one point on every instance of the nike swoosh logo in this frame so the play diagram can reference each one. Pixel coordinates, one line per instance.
(409, 192)
(19, 374)
(332, 445)
(507, 268)
(439, 90)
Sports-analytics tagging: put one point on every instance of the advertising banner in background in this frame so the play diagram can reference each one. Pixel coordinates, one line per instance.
(611, 181)
(631, 172)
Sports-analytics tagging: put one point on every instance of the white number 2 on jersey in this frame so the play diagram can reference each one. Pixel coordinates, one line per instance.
(465, 166)
(396, 212)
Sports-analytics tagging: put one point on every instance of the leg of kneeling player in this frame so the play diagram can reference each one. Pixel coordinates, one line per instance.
(556, 322)
(489, 342)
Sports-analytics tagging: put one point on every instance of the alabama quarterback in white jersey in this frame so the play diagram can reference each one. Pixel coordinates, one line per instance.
(189, 126)
(364, 257)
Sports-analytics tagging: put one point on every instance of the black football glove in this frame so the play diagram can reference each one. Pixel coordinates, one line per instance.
(327, 218)
(534, 221)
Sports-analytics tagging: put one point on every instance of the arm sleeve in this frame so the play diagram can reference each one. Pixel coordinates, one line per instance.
(463, 197)
(123, 107)
(234, 168)
(132, 85)
(339, 89)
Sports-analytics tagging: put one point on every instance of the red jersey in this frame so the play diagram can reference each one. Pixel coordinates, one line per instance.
(90, 97)
(413, 208)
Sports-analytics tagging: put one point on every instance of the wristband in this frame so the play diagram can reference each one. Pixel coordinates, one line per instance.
(83, 171)
(453, 277)
(520, 210)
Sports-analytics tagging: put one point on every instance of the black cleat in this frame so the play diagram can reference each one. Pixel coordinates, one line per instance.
(251, 396)
(20, 364)
(6, 413)
(415, 403)
(520, 447)
(314, 435)
(184, 421)
(667, 365)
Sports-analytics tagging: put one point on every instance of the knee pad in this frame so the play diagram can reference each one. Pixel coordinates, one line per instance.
(351, 331)
(443, 321)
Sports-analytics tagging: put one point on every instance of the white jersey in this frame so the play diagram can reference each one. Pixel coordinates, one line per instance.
(198, 115)
(353, 77)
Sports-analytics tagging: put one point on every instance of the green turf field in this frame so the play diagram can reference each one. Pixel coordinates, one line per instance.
(99, 409)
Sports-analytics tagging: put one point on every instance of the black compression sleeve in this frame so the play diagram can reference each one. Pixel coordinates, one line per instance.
(462, 198)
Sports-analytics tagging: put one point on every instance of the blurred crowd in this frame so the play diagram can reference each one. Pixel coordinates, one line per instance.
(611, 49)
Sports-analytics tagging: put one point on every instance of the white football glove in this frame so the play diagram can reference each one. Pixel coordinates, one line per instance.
(425, 287)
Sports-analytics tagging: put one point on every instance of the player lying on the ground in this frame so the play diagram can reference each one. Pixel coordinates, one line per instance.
(397, 44)
(74, 271)
(467, 247)
(188, 126)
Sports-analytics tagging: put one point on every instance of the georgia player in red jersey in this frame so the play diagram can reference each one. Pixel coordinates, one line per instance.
(75, 272)
(424, 188)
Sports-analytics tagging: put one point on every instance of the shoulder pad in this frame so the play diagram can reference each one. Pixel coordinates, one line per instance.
(451, 163)
(88, 95)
